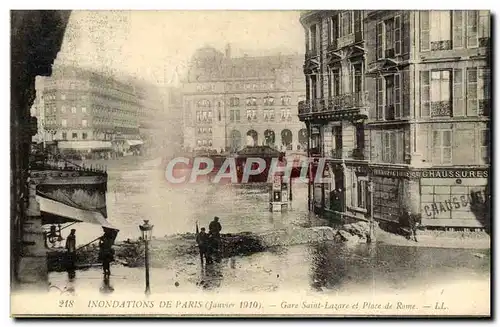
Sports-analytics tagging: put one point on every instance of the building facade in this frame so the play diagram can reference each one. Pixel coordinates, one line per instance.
(85, 111)
(230, 102)
(418, 136)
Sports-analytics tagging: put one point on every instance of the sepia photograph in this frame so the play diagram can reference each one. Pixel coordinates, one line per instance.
(250, 163)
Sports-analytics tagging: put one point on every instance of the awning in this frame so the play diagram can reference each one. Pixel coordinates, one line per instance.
(134, 142)
(84, 145)
(71, 214)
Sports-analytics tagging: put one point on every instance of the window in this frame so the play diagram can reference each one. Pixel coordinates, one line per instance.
(392, 147)
(440, 30)
(472, 29)
(334, 83)
(332, 29)
(198, 116)
(210, 115)
(362, 192)
(64, 135)
(234, 115)
(251, 101)
(441, 147)
(234, 102)
(84, 122)
(484, 146)
(313, 31)
(360, 136)
(268, 101)
(458, 29)
(73, 110)
(440, 93)
(313, 88)
(478, 91)
(63, 109)
(84, 110)
(285, 100)
(64, 122)
(74, 135)
(425, 31)
(346, 23)
(210, 130)
(63, 97)
(84, 136)
(389, 38)
(203, 104)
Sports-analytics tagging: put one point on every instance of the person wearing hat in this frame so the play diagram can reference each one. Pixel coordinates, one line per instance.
(71, 250)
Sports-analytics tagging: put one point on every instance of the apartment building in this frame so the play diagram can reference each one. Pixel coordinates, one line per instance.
(420, 137)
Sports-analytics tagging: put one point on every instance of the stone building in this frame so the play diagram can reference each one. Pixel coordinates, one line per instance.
(87, 111)
(231, 102)
(416, 125)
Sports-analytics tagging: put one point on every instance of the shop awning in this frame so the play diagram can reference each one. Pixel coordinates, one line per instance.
(134, 142)
(60, 213)
(84, 145)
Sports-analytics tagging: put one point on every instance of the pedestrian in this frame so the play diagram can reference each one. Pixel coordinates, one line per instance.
(106, 253)
(71, 251)
(214, 229)
(202, 241)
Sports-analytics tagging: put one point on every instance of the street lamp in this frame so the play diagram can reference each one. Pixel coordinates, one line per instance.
(147, 231)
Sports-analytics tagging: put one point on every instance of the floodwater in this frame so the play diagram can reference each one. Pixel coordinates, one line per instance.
(136, 193)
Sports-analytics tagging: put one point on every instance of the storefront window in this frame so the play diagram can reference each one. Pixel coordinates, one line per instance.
(387, 198)
(451, 201)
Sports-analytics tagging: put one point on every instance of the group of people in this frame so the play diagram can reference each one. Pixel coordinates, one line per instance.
(106, 252)
(209, 243)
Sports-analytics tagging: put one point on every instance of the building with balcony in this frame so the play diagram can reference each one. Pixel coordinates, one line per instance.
(425, 81)
(85, 111)
(231, 102)
(336, 109)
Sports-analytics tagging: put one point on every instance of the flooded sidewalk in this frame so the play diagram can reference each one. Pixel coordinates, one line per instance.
(327, 267)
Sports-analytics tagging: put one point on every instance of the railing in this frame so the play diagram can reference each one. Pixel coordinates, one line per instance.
(441, 45)
(304, 107)
(441, 109)
(346, 40)
(358, 154)
(390, 112)
(337, 153)
(346, 101)
(318, 105)
(311, 54)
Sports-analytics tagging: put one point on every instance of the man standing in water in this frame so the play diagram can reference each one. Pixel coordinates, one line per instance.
(106, 253)
(214, 229)
(202, 241)
(71, 252)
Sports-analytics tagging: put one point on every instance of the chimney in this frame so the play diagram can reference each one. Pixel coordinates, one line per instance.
(228, 51)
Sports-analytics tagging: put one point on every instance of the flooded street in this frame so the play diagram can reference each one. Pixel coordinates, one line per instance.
(136, 194)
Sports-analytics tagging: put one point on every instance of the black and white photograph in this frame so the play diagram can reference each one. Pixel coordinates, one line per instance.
(250, 163)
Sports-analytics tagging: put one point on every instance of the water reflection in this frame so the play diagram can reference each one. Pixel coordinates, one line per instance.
(106, 287)
(211, 277)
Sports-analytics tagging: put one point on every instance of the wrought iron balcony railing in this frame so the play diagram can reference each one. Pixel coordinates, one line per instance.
(358, 154)
(304, 107)
(441, 109)
(318, 105)
(337, 153)
(346, 101)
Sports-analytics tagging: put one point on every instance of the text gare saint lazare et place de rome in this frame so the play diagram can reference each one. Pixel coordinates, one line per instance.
(217, 305)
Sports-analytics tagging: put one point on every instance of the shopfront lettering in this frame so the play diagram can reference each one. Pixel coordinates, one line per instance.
(435, 173)
(456, 202)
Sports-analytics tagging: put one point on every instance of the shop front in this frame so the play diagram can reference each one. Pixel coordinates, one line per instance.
(445, 198)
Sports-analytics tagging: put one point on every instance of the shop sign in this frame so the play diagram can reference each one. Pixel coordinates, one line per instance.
(432, 173)
(455, 203)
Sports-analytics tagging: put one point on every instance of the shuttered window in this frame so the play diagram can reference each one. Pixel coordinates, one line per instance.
(380, 97)
(472, 27)
(458, 29)
(397, 35)
(380, 40)
(458, 93)
(472, 86)
(425, 93)
(397, 96)
(442, 147)
(425, 43)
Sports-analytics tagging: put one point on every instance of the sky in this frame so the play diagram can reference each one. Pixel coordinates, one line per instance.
(153, 44)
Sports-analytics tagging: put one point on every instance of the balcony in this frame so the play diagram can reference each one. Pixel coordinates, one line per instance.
(346, 101)
(390, 112)
(346, 40)
(332, 45)
(304, 107)
(441, 109)
(337, 153)
(311, 54)
(318, 105)
(441, 45)
(358, 154)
